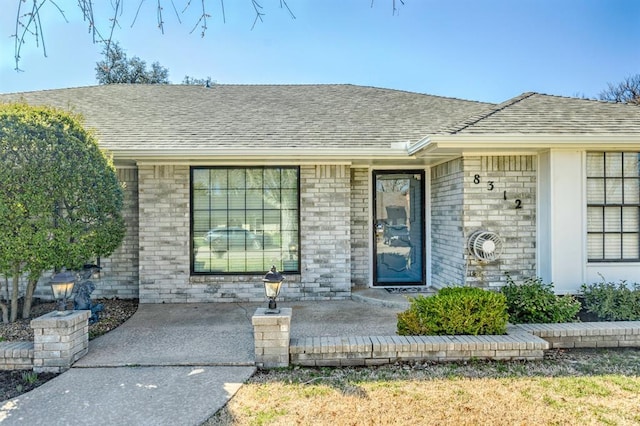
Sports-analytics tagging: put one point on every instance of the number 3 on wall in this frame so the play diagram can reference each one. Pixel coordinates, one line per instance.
(491, 187)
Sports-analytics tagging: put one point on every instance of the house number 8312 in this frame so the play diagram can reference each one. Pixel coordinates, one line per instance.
(491, 186)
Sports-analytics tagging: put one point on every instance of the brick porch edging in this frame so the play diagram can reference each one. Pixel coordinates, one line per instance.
(16, 355)
(377, 350)
(615, 334)
(523, 342)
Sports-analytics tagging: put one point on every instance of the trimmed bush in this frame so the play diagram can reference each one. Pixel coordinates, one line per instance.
(535, 302)
(611, 301)
(455, 311)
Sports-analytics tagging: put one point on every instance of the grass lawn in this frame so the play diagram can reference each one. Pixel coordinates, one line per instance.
(590, 387)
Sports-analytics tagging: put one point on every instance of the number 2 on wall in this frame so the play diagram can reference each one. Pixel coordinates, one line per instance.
(518, 201)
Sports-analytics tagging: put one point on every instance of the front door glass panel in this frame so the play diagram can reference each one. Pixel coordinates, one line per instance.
(399, 228)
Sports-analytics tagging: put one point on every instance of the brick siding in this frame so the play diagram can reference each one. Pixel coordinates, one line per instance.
(360, 228)
(462, 203)
(485, 209)
(325, 222)
(447, 236)
(154, 260)
(164, 241)
(164, 233)
(120, 271)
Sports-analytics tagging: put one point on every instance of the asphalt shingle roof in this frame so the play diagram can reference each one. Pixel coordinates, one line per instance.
(534, 113)
(182, 117)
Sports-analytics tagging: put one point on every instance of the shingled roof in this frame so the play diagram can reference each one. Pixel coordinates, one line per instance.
(138, 122)
(138, 118)
(534, 113)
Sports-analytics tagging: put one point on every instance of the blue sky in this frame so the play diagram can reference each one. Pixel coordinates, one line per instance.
(486, 50)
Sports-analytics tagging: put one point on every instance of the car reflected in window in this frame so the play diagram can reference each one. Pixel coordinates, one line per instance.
(233, 239)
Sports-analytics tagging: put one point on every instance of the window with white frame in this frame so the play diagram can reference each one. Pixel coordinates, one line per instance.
(244, 219)
(613, 206)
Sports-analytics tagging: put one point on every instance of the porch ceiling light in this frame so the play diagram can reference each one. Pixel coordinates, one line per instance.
(272, 285)
(62, 286)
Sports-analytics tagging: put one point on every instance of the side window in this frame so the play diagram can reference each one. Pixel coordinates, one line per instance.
(244, 219)
(613, 206)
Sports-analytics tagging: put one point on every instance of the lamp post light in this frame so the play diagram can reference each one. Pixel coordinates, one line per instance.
(272, 285)
(62, 286)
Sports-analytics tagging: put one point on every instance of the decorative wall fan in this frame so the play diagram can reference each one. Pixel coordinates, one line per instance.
(485, 246)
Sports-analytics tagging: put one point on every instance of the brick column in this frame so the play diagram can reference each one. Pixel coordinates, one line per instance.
(59, 340)
(271, 337)
(325, 230)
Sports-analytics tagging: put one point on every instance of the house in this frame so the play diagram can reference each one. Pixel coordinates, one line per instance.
(342, 186)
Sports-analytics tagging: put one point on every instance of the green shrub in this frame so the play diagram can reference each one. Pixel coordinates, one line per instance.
(612, 302)
(455, 311)
(535, 302)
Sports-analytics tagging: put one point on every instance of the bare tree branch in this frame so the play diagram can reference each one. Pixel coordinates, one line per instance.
(258, 9)
(627, 91)
(203, 18)
(224, 18)
(175, 10)
(159, 14)
(135, 17)
(395, 9)
(29, 23)
(284, 2)
(33, 26)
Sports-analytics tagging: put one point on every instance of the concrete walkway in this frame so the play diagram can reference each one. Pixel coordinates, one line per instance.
(177, 364)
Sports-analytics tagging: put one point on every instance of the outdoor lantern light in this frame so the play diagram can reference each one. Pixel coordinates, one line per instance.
(272, 284)
(62, 286)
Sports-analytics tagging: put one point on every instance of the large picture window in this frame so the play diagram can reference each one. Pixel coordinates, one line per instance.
(244, 219)
(613, 206)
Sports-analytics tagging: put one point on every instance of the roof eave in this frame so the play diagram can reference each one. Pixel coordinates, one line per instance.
(259, 155)
(435, 144)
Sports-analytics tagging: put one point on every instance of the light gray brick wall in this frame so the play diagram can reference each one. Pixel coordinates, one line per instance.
(325, 222)
(447, 230)
(468, 194)
(119, 277)
(164, 233)
(238, 288)
(164, 241)
(360, 230)
(487, 209)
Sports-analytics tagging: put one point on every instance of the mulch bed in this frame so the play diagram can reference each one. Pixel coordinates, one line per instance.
(16, 382)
